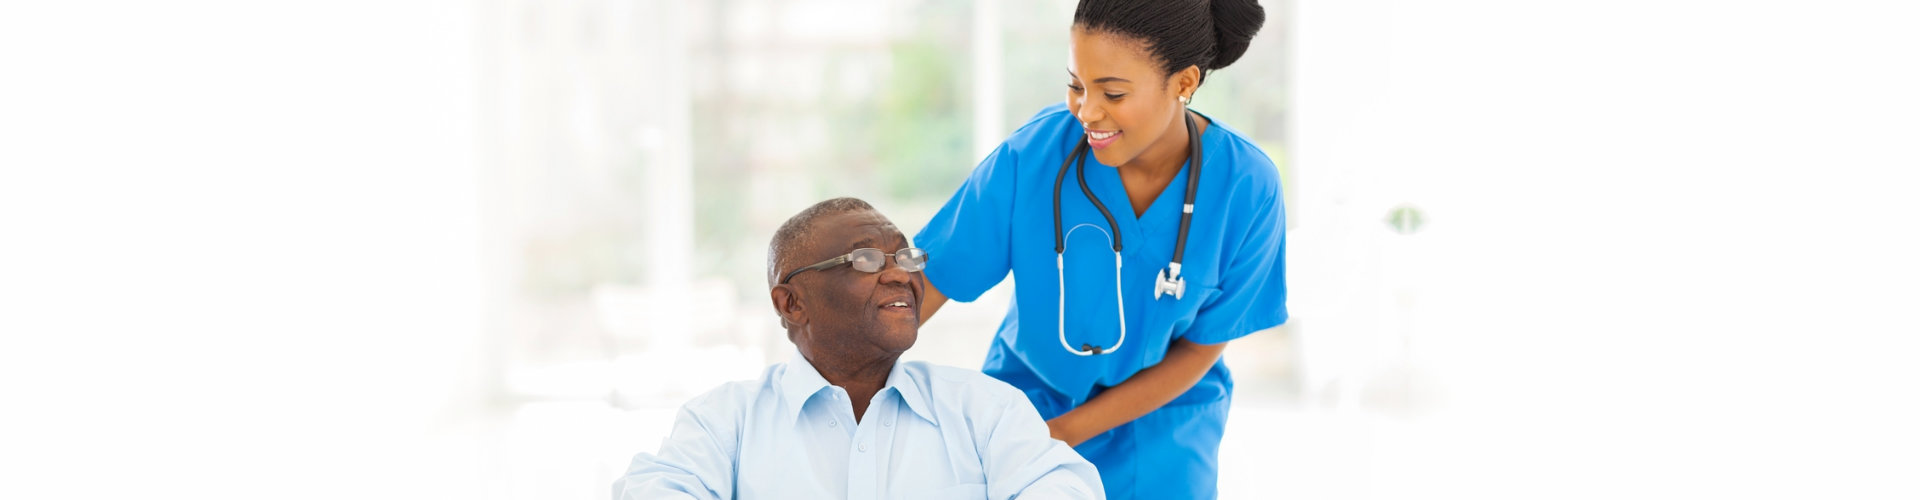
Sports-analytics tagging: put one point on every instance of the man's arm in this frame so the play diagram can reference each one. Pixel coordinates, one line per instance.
(1023, 461)
(695, 462)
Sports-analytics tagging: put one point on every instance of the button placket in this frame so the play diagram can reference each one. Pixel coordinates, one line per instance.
(863, 469)
(863, 434)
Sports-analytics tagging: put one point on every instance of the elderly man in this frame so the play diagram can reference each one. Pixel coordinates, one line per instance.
(844, 418)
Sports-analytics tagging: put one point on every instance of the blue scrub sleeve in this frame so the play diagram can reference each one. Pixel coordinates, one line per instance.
(1253, 286)
(969, 242)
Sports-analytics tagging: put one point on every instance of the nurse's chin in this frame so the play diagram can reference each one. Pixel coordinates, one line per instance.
(1112, 155)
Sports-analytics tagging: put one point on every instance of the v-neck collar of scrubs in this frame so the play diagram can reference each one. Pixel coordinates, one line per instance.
(1105, 182)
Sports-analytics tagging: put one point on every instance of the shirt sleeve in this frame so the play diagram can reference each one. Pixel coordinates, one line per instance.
(969, 242)
(1253, 285)
(1024, 461)
(695, 462)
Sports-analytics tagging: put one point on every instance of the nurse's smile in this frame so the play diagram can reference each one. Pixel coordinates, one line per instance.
(1100, 139)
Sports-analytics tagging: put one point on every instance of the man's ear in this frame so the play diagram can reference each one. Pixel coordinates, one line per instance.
(787, 303)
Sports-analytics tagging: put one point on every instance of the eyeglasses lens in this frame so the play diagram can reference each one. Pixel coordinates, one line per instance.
(867, 260)
(911, 259)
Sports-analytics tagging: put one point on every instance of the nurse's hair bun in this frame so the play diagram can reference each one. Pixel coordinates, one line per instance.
(1234, 24)
(1207, 34)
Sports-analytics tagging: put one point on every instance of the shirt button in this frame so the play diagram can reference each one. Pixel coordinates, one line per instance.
(863, 447)
(833, 423)
(889, 423)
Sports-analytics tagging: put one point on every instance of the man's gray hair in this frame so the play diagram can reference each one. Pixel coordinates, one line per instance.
(794, 234)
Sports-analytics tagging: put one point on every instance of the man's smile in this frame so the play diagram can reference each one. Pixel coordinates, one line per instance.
(899, 302)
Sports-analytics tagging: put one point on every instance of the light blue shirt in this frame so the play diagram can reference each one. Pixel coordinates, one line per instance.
(932, 432)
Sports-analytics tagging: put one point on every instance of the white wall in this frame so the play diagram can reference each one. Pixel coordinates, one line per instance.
(1669, 248)
(238, 254)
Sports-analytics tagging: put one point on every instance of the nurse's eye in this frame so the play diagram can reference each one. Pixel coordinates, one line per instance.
(1115, 97)
(1075, 88)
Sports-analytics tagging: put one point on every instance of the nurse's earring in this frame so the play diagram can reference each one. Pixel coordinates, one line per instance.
(1183, 100)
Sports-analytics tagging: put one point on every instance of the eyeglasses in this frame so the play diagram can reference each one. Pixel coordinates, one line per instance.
(870, 260)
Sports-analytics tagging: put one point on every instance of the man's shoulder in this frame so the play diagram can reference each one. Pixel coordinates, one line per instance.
(735, 396)
(962, 385)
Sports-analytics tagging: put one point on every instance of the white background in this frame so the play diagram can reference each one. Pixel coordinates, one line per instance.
(1668, 253)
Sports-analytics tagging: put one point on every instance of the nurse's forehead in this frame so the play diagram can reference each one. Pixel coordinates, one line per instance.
(1106, 57)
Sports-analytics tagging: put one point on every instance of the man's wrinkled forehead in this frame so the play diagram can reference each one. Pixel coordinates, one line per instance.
(863, 229)
(841, 233)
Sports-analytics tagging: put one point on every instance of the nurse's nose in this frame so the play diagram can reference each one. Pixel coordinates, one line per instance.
(1088, 115)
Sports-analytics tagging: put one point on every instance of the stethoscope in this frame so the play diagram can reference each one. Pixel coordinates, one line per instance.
(1169, 283)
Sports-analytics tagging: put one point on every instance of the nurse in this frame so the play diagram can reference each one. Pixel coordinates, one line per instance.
(1142, 237)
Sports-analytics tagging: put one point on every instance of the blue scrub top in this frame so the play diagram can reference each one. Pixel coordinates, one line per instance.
(1001, 221)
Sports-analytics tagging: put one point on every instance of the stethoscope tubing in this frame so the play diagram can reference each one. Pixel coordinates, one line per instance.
(1079, 158)
(1060, 273)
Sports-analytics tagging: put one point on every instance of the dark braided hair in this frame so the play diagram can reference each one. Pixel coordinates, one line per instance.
(1209, 34)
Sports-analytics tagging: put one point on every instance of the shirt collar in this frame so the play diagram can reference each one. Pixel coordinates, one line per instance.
(909, 390)
(802, 381)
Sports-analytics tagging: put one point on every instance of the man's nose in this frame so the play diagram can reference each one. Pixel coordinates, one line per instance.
(892, 273)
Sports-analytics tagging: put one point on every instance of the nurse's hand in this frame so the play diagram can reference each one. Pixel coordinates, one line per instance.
(1061, 431)
(1147, 390)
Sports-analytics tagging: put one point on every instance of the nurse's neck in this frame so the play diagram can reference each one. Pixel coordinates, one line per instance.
(860, 376)
(1150, 172)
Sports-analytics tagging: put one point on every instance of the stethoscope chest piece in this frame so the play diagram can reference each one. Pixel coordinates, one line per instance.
(1170, 283)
